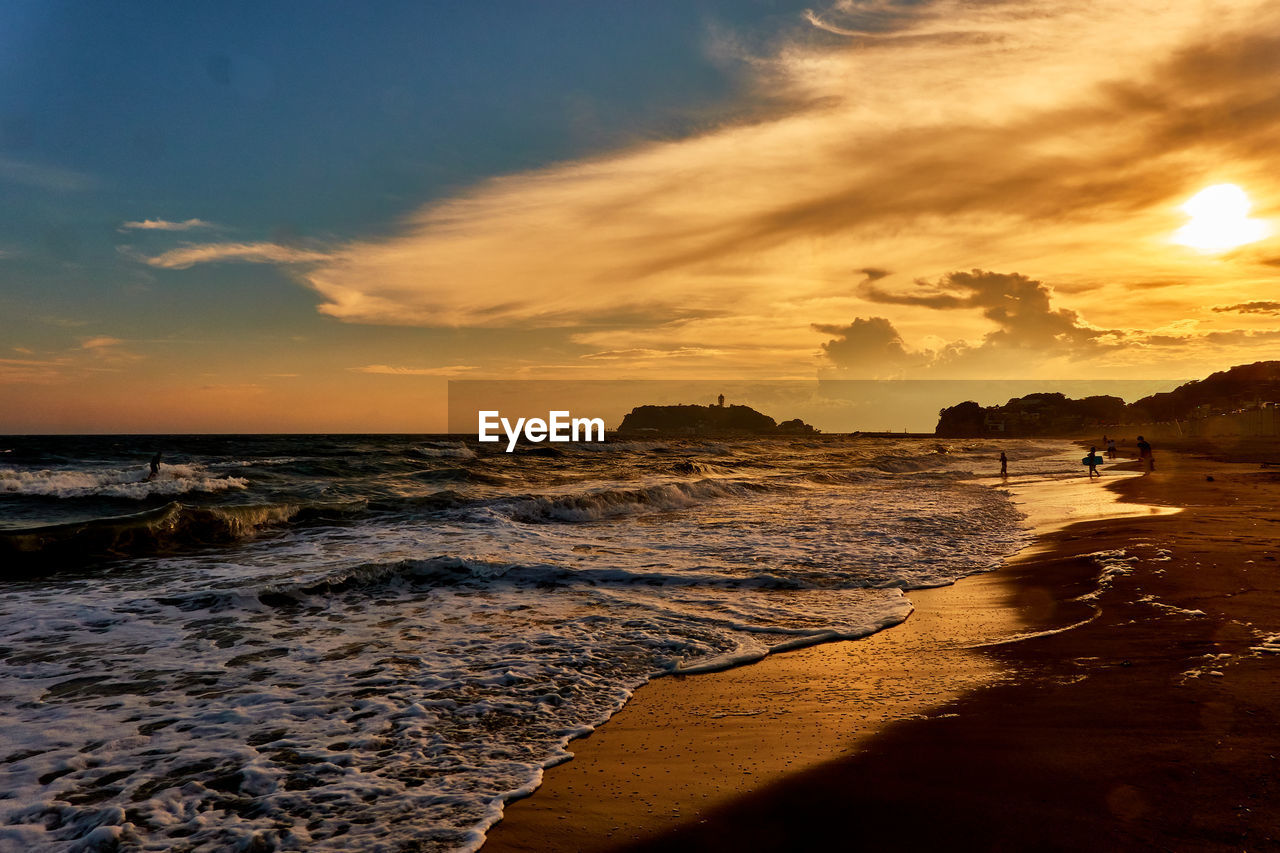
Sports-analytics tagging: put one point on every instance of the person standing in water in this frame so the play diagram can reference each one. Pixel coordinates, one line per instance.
(1145, 456)
(155, 466)
(1004, 465)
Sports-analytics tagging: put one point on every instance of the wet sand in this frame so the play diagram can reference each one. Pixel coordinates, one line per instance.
(978, 723)
(687, 744)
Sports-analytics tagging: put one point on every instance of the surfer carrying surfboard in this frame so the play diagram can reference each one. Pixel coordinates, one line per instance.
(1093, 460)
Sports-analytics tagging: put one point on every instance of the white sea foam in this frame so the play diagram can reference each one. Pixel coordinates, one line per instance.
(1169, 608)
(261, 462)
(1269, 644)
(114, 482)
(449, 450)
(393, 682)
(1114, 563)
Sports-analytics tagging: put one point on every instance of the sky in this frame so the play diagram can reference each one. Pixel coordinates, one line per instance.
(310, 216)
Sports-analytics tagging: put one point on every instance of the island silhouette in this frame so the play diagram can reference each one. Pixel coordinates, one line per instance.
(713, 420)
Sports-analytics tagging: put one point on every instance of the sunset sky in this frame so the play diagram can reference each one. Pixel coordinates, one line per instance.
(308, 216)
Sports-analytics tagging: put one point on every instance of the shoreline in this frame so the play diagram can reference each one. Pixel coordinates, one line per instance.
(687, 748)
(1154, 726)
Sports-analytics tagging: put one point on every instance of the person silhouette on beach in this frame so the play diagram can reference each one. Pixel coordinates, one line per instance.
(1145, 456)
(1093, 462)
(1004, 465)
(1111, 448)
(155, 466)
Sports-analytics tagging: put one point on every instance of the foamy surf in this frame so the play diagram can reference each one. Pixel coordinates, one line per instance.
(378, 647)
(131, 483)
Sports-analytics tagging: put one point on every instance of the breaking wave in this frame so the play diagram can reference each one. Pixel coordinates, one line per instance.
(444, 450)
(603, 503)
(115, 482)
(379, 640)
(171, 527)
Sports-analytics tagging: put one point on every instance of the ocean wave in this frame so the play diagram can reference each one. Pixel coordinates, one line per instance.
(380, 655)
(460, 475)
(907, 464)
(469, 571)
(444, 450)
(604, 503)
(129, 483)
(839, 478)
(417, 504)
(266, 462)
(168, 528)
(688, 466)
(686, 446)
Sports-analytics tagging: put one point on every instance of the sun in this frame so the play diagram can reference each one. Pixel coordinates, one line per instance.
(1219, 220)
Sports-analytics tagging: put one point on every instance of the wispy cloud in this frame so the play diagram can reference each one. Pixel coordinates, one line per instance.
(166, 225)
(926, 138)
(45, 177)
(109, 352)
(390, 370)
(91, 356)
(631, 355)
(31, 370)
(945, 155)
(100, 343)
(210, 253)
(63, 322)
(813, 18)
(234, 388)
(1249, 308)
(881, 19)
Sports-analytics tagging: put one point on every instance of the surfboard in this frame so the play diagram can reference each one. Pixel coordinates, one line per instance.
(1092, 460)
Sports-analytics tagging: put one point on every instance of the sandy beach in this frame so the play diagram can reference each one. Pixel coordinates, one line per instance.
(546, 426)
(1111, 687)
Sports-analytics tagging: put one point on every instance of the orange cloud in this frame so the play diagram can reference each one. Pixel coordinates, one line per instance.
(1040, 140)
(208, 253)
(388, 370)
(31, 370)
(100, 343)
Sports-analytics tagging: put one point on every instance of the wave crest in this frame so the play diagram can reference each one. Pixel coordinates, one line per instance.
(168, 528)
(612, 502)
(453, 571)
(173, 480)
(444, 450)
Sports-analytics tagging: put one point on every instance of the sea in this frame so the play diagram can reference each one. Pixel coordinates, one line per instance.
(375, 642)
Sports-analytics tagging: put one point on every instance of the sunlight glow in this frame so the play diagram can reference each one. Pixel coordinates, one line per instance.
(1219, 220)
